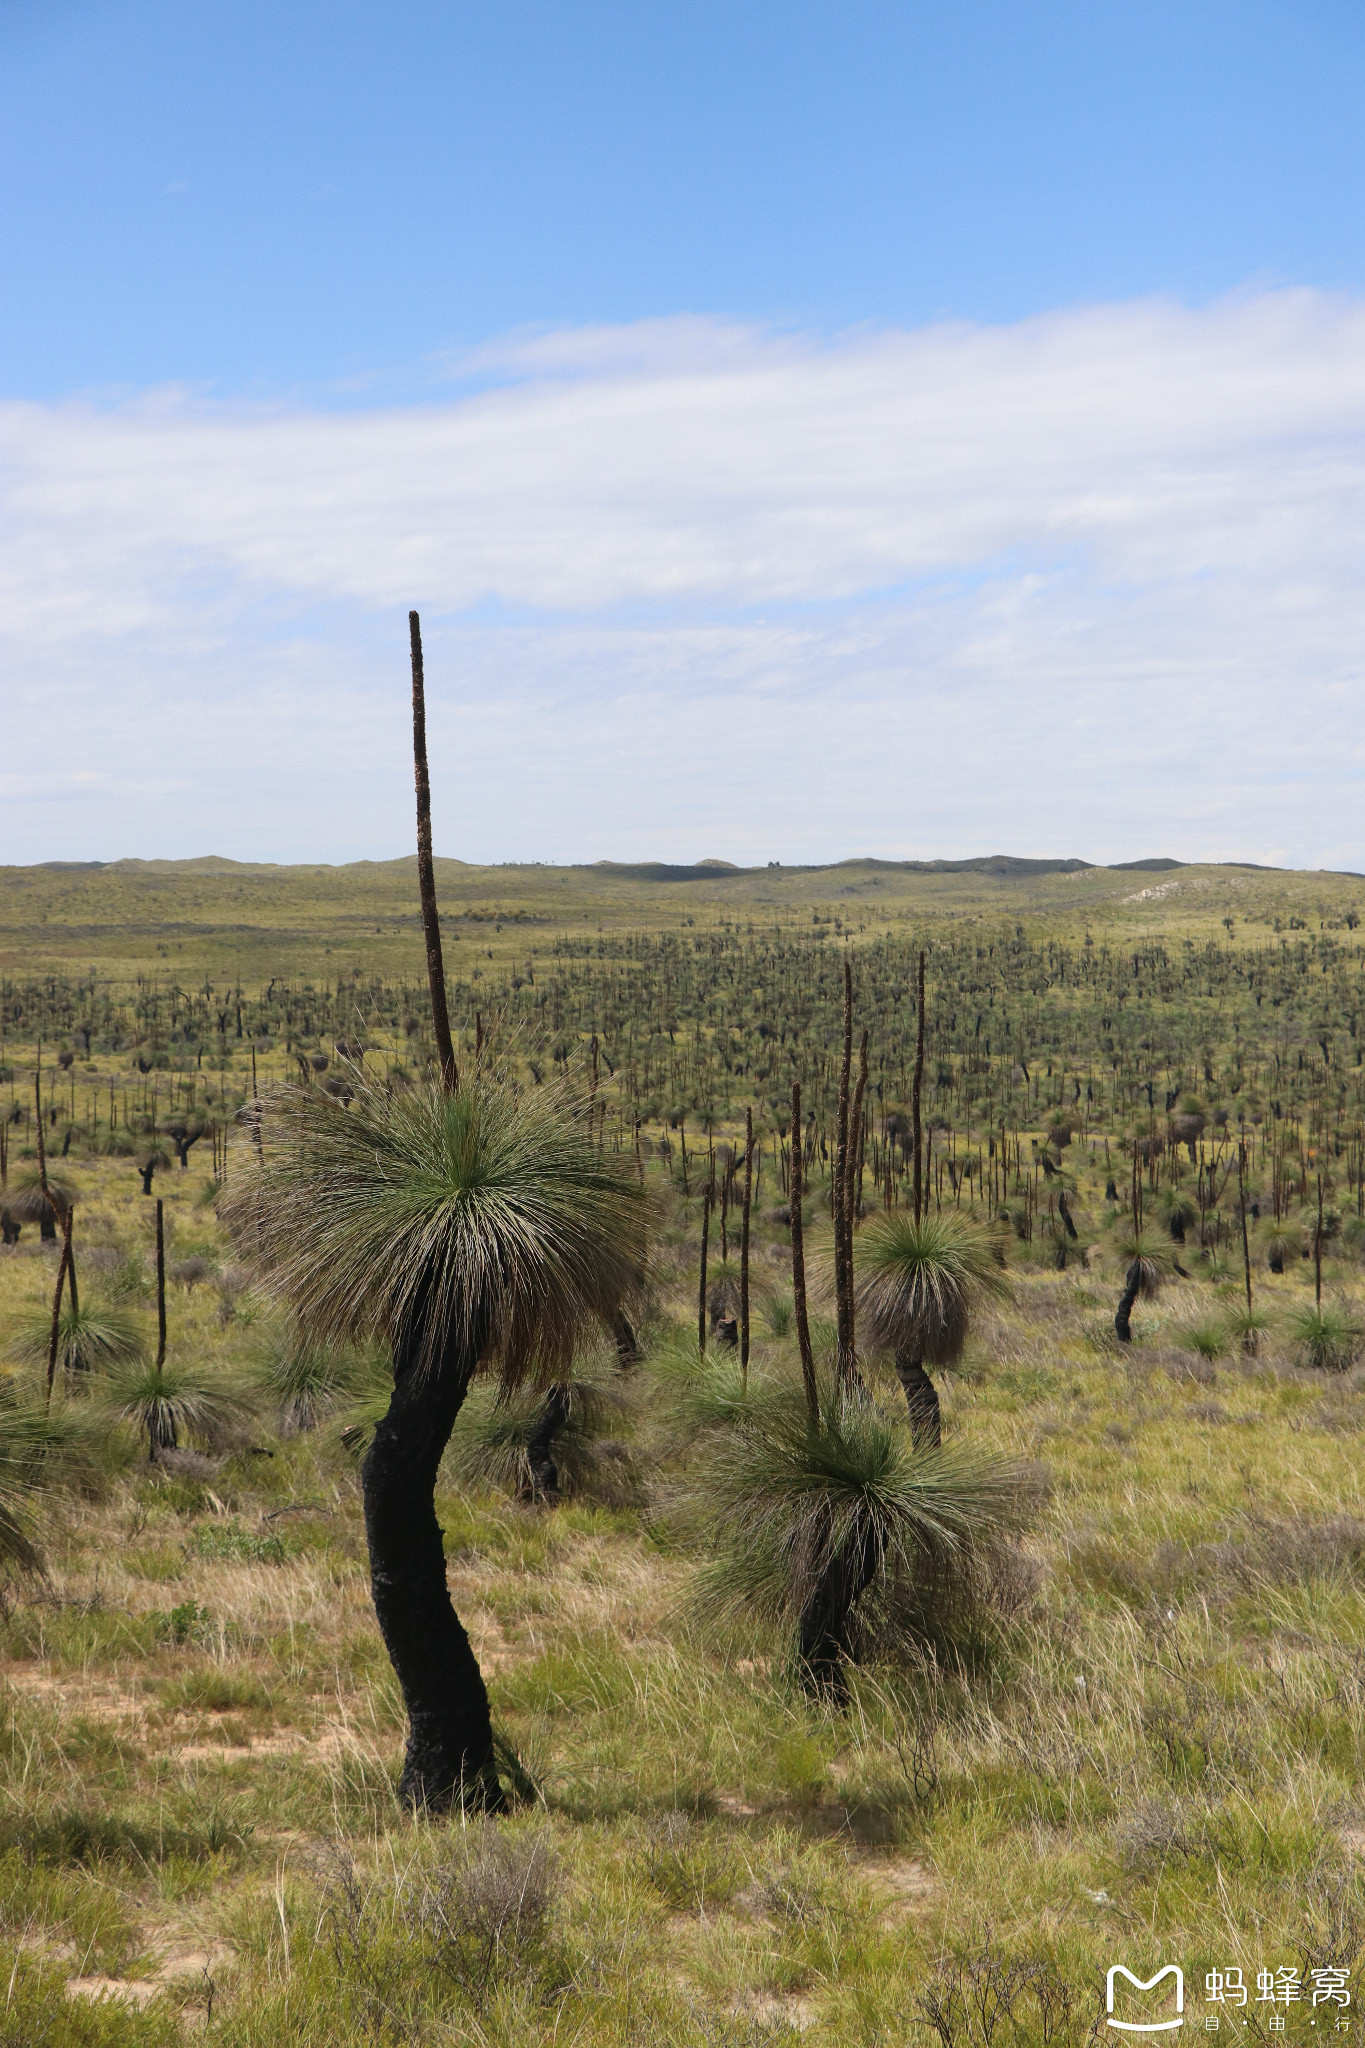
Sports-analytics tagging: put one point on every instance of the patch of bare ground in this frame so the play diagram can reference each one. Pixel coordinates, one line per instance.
(769, 2009)
(908, 1887)
(78, 1693)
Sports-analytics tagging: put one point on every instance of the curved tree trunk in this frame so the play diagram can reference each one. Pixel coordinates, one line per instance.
(1122, 1325)
(544, 1471)
(921, 1398)
(450, 1735)
(827, 1621)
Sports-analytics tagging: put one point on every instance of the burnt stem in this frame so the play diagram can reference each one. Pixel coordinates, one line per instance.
(426, 872)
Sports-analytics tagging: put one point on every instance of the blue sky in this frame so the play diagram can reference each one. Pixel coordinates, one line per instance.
(725, 383)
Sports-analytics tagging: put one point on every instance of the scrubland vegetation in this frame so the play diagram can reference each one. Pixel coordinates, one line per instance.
(1100, 1694)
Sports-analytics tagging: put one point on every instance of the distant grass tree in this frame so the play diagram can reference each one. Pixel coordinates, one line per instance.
(168, 1400)
(918, 1282)
(1149, 1262)
(91, 1337)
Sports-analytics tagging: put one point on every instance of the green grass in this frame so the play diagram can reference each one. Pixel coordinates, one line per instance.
(200, 1735)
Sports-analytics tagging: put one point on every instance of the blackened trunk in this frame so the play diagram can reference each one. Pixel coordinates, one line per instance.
(47, 1227)
(1122, 1325)
(160, 1287)
(701, 1285)
(827, 1620)
(799, 1268)
(426, 871)
(916, 1091)
(147, 1171)
(744, 1244)
(544, 1473)
(450, 1735)
(838, 1202)
(921, 1398)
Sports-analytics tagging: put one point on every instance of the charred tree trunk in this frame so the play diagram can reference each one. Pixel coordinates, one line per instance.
(744, 1246)
(147, 1171)
(827, 1620)
(706, 1202)
(921, 1398)
(1122, 1318)
(62, 1269)
(799, 1268)
(544, 1473)
(449, 1754)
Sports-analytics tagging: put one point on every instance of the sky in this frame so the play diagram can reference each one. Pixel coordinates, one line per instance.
(806, 430)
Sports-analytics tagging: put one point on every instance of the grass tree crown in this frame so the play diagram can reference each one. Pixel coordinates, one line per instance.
(918, 1282)
(487, 1218)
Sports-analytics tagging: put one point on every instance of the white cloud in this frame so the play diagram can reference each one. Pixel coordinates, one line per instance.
(1085, 584)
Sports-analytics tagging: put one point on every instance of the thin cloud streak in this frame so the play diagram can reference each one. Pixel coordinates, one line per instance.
(1089, 583)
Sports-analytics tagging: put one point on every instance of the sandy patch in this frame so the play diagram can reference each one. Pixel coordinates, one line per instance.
(139, 1993)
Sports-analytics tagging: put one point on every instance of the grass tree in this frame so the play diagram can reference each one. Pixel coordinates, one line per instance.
(167, 1400)
(1326, 1336)
(463, 1222)
(824, 1531)
(92, 1336)
(1148, 1262)
(461, 1227)
(918, 1283)
(38, 1447)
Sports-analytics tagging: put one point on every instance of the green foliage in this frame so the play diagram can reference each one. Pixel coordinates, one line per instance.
(1210, 1337)
(778, 1311)
(1282, 1243)
(487, 1218)
(774, 1500)
(39, 1450)
(177, 1398)
(230, 1540)
(489, 1446)
(1327, 1337)
(1147, 1258)
(305, 1380)
(917, 1282)
(91, 1338)
(188, 1623)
